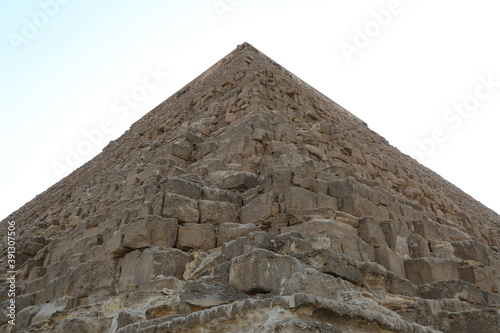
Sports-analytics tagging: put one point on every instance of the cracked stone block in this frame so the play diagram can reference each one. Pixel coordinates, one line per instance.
(428, 270)
(180, 207)
(259, 209)
(252, 241)
(216, 212)
(261, 271)
(196, 236)
(150, 231)
(321, 226)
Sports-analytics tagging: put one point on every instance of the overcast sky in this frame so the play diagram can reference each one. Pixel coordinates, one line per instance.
(76, 74)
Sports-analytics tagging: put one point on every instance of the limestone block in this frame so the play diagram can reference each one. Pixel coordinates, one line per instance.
(371, 232)
(180, 207)
(333, 263)
(357, 249)
(313, 282)
(443, 250)
(428, 230)
(325, 241)
(453, 234)
(295, 216)
(428, 270)
(479, 275)
(457, 289)
(229, 231)
(241, 180)
(49, 309)
(321, 226)
(472, 250)
(261, 271)
(389, 229)
(360, 207)
(150, 231)
(248, 243)
(349, 219)
(281, 179)
(418, 247)
(303, 175)
(82, 325)
(216, 194)
(207, 295)
(139, 267)
(325, 200)
(483, 320)
(343, 187)
(216, 212)
(390, 260)
(259, 209)
(196, 236)
(182, 187)
(300, 198)
(288, 244)
(182, 148)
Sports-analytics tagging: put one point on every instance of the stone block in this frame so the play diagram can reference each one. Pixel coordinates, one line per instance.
(48, 310)
(182, 187)
(180, 207)
(150, 231)
(428, 230)
(261, 271)
(196, 237)
(302, 175)
(139, 267)
(349, 219)
(216, 212)
(342, 188)
(361, 207)
(443, 250)
(390, 260)
(229, 231)
(325, 200)
(325, 241)
(418, 247)
(252, 241)
(483, 321)
(428, 270)
(241, 180)
(300, 198)
(182, 148)
(295, 216)
(259, 209)
(391, 235)
(480, 275)
(472, 250)
(371, 232)
(333, 263)
(357, 249)
(282, 179)
(321, 226)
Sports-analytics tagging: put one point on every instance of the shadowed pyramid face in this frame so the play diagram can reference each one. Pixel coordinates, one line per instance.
(250, 202)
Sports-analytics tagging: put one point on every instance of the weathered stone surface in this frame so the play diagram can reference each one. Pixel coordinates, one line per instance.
(181, 208)
(150, 231)
(371, 232)
(240, 180)
(229, 231)
(428, 230)
(390, 260)
(418, 247)
(217, 212)
(261, 271)
(321, 226)
(196, 236)
(428, 270)
(252, 241)
(259, 209)
(471, 250)
(139, 267)
(300, 198)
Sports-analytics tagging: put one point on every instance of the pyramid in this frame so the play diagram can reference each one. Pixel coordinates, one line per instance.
(250, 202)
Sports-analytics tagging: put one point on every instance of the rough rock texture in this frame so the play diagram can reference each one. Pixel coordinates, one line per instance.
(250, 202)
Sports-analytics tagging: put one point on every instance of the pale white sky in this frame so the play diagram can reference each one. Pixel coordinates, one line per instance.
(423, 74)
